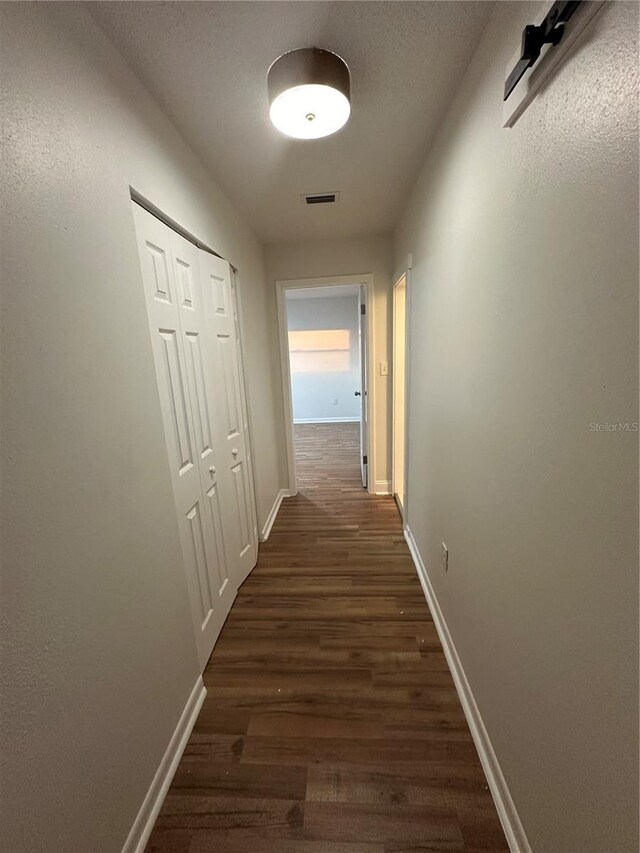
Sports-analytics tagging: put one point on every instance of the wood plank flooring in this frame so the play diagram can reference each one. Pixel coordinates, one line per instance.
(331, 723)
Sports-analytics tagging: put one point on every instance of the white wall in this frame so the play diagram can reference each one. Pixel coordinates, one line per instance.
(99, 656)
(348, 256)
(524, 331)
(320, 393)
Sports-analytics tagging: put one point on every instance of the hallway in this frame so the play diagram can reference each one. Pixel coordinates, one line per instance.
(331, 723)
(229, 232)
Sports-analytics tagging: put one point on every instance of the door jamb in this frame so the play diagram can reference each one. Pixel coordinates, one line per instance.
(296, 284)
(403, 271)
(236, 290)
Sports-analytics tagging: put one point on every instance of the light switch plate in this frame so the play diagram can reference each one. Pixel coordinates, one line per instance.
(384, 368)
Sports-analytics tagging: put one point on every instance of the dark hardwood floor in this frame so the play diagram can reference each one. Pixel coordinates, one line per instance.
(331, 723)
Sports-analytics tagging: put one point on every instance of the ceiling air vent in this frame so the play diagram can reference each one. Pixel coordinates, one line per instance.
(320, 198)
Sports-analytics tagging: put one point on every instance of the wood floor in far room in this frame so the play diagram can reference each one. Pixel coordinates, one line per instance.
(331, 723)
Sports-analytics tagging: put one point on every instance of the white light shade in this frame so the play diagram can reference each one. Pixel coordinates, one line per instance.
(309, 112)
(309, 93)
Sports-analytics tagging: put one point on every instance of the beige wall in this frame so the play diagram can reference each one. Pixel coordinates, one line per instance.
(99, 657)
(524, 331)
(348, 256)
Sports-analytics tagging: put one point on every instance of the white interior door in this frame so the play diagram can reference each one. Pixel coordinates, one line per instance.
(203, 393)
(181, 350)
(364, 393)
(216, 279)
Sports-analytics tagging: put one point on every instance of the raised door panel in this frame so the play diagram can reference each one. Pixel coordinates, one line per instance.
(200, 563)
(222, 574)
(159, 278)
(236, 395)
(225, 353)
(172, 388)
(200, 398)
(186, 285)
(219, 291)
(241, 505)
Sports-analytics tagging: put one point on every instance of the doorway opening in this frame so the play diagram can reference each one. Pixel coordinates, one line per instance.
(399, 392)
(325, 330)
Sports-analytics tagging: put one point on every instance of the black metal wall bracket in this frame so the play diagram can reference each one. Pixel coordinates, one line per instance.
(550, 31)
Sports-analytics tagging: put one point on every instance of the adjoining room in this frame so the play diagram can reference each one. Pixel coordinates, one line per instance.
(327, 365)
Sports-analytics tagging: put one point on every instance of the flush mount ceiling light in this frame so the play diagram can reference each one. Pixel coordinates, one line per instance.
(309, 93)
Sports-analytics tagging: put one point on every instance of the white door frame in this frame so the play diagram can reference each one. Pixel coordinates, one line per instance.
(403, 271)
(236, 291)
(296, 284)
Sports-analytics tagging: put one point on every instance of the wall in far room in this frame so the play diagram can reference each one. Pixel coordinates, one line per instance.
(324, 357)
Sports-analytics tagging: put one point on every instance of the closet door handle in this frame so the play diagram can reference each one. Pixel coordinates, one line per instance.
(235, 451)
(212, 471)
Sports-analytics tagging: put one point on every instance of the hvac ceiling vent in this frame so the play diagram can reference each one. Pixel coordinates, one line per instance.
(320, 198)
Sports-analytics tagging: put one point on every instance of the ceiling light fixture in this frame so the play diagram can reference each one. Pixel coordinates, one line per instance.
(309, 93)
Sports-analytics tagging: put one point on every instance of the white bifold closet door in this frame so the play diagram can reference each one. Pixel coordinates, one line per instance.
(222, 335)
(195, 347)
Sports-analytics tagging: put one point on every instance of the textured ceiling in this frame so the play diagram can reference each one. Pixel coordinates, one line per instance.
(206, 64)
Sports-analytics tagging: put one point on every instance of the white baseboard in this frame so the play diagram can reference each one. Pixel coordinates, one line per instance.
(152, 803)
(326, 420)
(382, 487)
(266, 530)
(505, 806)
